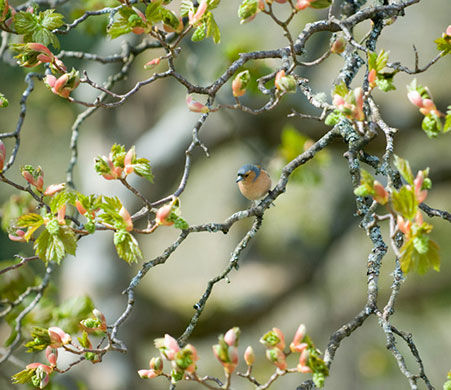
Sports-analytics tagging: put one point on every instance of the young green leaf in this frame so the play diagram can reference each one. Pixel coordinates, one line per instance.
(412, 260)
(212, 28)
(403, 167)
(126, 246)
(49, 247)
(405, 203)
(447, 125)
(200, 33)
(186, 7)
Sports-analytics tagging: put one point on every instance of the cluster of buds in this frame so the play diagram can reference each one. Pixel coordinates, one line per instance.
(35, 177)
(38, 373)
(196, 106)
(6, 13)
(33, 53)
(63, 85)
(183, 360)
(351, 104)
(274, 341)
(421, 97)
(226, 351)
(96, 324)
(112, 168)
(240, 83)
(2, 155)
(285, 83)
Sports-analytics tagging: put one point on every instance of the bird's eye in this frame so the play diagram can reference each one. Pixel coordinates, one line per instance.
(246, 174)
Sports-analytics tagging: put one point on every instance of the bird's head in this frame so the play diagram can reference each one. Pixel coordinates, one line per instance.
(248, 173)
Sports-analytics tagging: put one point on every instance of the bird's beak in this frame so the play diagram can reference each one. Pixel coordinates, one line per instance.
(239, 178)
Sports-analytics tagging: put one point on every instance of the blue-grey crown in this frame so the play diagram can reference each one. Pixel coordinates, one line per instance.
(249, 167)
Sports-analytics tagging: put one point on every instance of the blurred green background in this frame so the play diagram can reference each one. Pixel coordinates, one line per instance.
(308, 262)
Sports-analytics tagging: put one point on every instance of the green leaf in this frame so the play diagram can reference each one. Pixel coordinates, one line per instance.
(142, 168)
(153, 11)
(60, 199)
(23, 376)
(3, 101)
(366, 187)
(431, 125)
(212, 28)
(412, 260)
(247, 9)
(341, 89)
(169, 18)
(185, 8)
(321, 4)
(333, 118)
(25, 22)
(403, 167)
(40, 339)
(49, 247)
(381, 61)
(68, 238)
(50, 19)
(126, 246)
(200, 33)
(444, 44)
(385, 82)
(32, 221)
(447, 125)
(405, 203)
(84, 340)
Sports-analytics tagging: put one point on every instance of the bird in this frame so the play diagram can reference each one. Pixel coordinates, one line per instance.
(253, 181)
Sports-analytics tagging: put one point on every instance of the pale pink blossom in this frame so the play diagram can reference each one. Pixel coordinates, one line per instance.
(249, 356)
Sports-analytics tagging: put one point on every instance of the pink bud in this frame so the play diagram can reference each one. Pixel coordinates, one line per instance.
(420, 194)
(147, 374)
(261, 5)
(162, 215)
(448, 30)
(358, 95)
(419, 218)
(303, 359)
(281, 336)
(297, 345)
(62, 214)
(415, 98)
(58, 337)
(302, 4)
(60, 83)
(194, 357)
(231, 336)
(80, 207)
(380, 193)
(171, 345)
(50, 80)
(2, 155)
(127, 219)
(277, 357)
(249, 356)
(372, 78)
(195, 106)
(52, 355)
(195, 18)
(128, 160)
(279, 75)
(153, 63)
(52, 189)
(338, 101)
(236, 87)
(18, 236)
(404, 225)
(28, 177)
(44, 58)
(338, 46)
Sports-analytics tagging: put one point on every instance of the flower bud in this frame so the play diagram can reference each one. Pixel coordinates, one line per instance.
(338, 46)
(404, 225)
(156, 364)
(297, 345)
(2, 155)
(302, 4)
(194, 18)
(448, 30)
(195, 106)
(240, 83)
(147, 374)
(303, 360)
(277, 357)
(127, 218)
(62, 214)
(380, 193)
(372, 75)
(153, 63)
(415, 98)
(162, 214)
(231, 337)
(128, 160)
(285, 83)
(249, 356)
(58, 337)
(52, 189)
(52, 355)
(18, 236)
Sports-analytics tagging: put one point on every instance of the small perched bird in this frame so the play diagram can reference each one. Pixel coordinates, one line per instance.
(253, 182)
